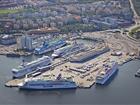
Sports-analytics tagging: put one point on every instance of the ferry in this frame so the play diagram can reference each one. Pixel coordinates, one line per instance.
(40, 84)
(108, 71)
(68, 50)
(32, 66)
(49, 46)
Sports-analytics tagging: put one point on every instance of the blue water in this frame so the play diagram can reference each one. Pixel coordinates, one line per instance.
(123, 89)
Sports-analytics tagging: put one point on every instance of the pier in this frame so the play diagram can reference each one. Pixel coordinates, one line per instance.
(83, 79)
(14, 82)
(11, 49)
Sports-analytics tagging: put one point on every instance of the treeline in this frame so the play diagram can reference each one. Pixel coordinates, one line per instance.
(78, 27)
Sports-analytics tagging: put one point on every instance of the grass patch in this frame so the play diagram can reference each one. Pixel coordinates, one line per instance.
(134, 30)
(8, 11)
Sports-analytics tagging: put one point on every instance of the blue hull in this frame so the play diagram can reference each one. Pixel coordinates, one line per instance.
(54, 88)
(48, 48)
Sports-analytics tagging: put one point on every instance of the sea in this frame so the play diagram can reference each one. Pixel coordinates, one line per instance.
(124, 88)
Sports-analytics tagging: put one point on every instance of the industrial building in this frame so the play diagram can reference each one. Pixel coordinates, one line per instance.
(25, 43)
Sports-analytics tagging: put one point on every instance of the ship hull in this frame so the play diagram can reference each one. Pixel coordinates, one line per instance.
(137, 75)
(48, 85)
(47, 88)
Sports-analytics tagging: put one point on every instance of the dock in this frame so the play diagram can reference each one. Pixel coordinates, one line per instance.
(11, 49)
(83, 79)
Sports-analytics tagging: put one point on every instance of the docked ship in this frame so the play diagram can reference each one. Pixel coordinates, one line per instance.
(32, 66)
(50, 46)
(68, 50)
(109, 70)
(42, 84)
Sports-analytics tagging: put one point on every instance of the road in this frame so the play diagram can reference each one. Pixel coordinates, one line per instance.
(136, 16)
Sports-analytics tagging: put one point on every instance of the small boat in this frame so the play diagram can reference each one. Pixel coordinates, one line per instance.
(137, 74)
(12, 55)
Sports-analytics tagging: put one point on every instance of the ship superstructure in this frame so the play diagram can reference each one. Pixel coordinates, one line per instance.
(109, 69)
(50, 46)
(68, 50)
(42, 84)
(26, 68)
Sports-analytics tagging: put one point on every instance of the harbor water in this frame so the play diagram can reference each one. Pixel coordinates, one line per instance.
(123, 89)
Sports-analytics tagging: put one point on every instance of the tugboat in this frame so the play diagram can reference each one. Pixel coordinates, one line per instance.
(13, 55)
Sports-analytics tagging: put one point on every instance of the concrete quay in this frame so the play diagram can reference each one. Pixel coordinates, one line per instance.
(4, 50)
(83, 80)
(14, 82)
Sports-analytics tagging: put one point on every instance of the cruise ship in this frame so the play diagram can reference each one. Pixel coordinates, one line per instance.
(50, 46)
(68, 50)
(40, 84)
(108, 71)
(29, 67)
